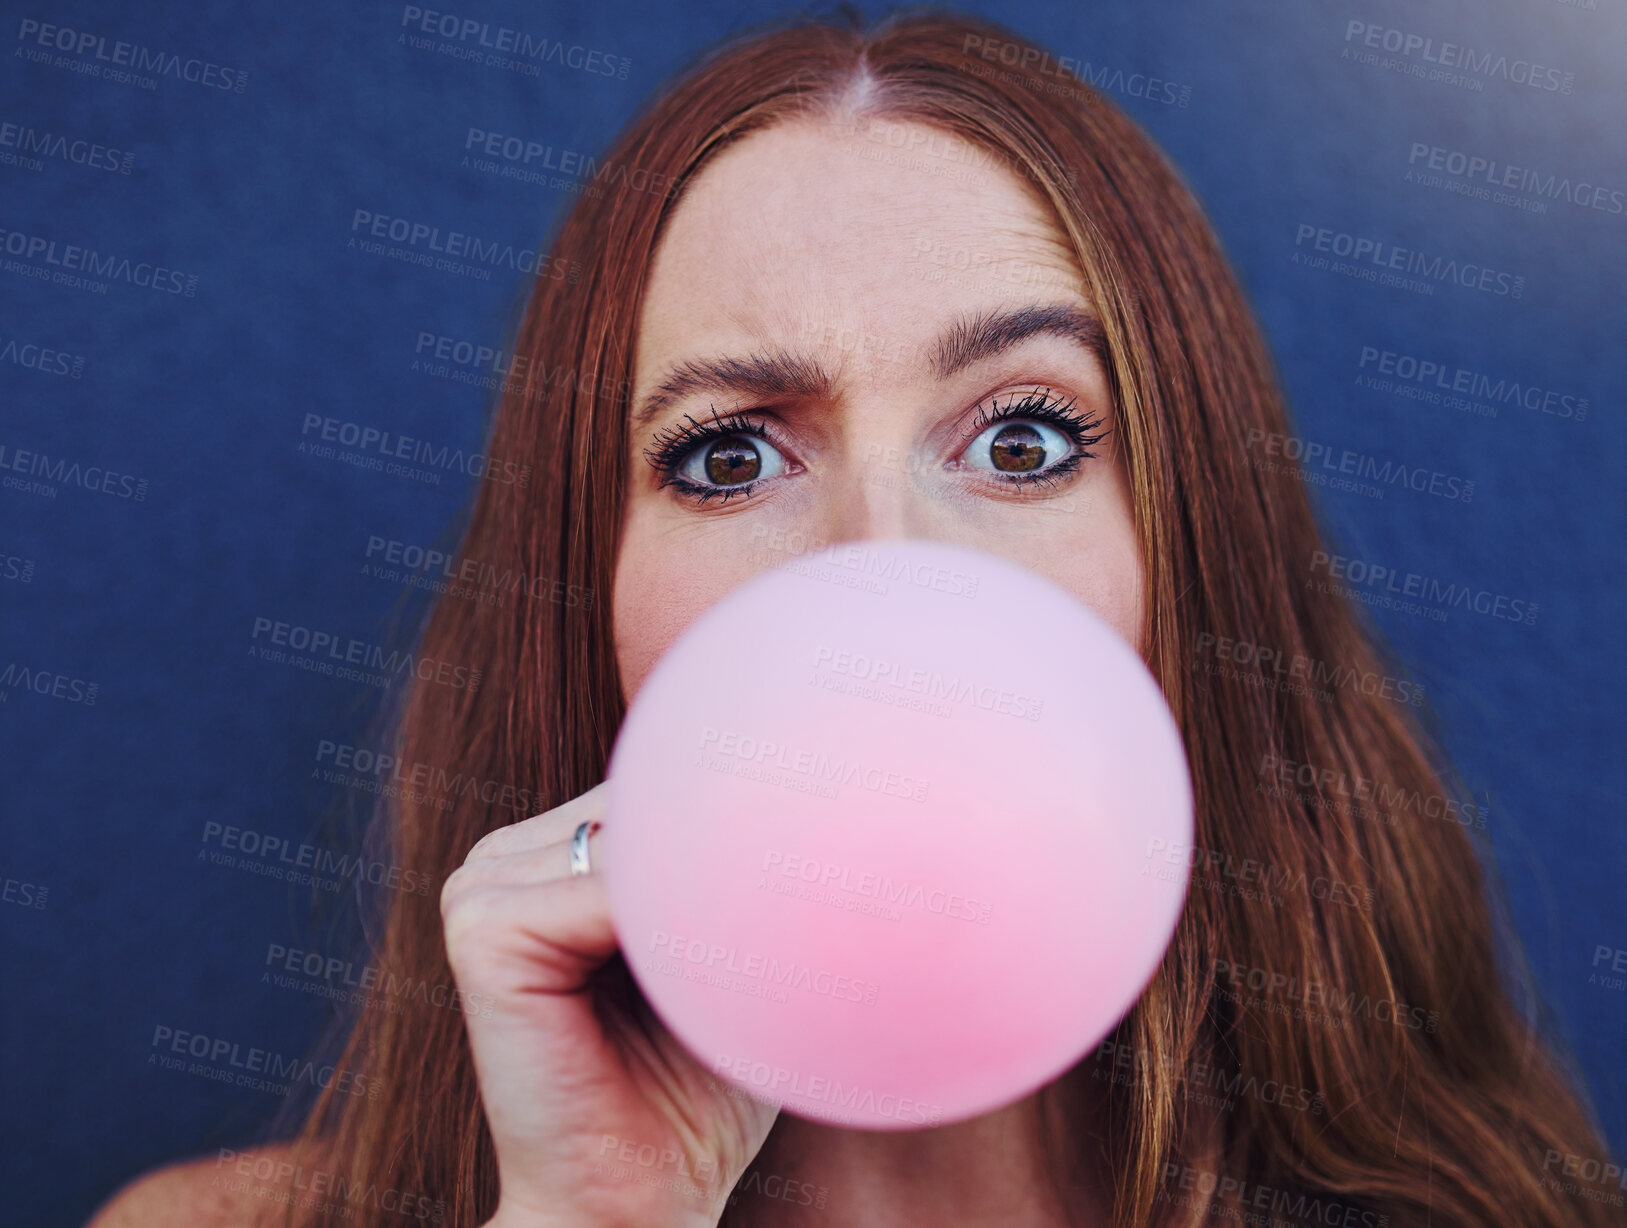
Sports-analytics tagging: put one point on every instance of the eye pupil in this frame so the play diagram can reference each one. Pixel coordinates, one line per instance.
(1017, 449)
(732, 461)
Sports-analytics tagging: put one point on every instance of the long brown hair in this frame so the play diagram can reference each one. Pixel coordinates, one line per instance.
(1347, 950)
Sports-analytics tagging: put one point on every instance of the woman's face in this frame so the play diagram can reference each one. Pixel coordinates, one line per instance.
(895, 341)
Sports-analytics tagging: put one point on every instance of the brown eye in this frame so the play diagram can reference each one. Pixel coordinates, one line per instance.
(732, 461)
(1018, 448)
(1024, 450)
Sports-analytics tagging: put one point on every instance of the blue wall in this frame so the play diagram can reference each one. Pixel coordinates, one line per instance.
(243, 185)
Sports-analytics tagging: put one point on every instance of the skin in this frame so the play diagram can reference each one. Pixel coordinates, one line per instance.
(814, 238)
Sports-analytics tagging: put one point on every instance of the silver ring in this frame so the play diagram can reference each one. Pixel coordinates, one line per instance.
(579, 846)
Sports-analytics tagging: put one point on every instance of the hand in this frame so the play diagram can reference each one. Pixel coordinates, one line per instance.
(598, 1115)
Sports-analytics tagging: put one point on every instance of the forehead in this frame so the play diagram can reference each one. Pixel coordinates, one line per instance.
(825, 234)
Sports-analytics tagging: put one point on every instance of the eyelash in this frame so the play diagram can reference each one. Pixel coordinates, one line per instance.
(675, 444)
(1036, 406)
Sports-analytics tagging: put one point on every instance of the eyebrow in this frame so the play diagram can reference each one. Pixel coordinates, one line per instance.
(773, 375)
(777, 374)
(989, 333)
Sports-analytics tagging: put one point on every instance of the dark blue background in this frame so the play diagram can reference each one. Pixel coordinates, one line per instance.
(204, 396)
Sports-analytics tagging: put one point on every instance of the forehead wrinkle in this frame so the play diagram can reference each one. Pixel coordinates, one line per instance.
(1039, 238)
(780, 294)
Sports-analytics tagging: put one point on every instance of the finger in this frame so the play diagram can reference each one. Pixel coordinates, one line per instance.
(515, 940)
(543, 864)
(528, 960)
(543, 829)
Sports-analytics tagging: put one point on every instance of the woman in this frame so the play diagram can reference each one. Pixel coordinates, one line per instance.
(922, 282)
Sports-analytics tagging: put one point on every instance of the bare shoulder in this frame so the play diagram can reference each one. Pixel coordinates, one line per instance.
(229, 1189)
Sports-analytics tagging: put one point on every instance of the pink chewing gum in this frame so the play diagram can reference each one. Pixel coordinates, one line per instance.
(896, 833)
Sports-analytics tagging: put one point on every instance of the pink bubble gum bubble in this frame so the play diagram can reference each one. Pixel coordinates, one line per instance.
(896, 833)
